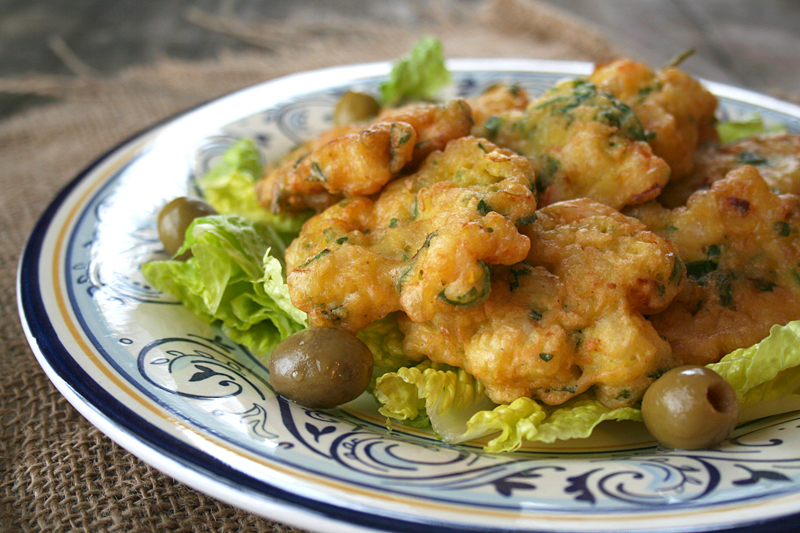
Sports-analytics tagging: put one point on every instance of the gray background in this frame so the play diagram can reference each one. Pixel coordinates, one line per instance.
(749, 43)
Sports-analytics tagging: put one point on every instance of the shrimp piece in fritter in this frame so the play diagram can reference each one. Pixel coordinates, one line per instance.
(741, 245)
(500, 98)
(582, 143)
(355, 163)
(424, 245)
(775, 155)
(435, 125)
(676, 111)
(567, 319)
(362, 160)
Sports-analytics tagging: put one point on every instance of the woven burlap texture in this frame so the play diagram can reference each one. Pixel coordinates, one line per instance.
(57, 472)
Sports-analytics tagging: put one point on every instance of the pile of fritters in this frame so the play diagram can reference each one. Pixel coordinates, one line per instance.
(593, 237)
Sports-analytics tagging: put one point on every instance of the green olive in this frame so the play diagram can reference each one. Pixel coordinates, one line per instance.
(690, 407)
(355, 107)
(321, 367)
(175, 218)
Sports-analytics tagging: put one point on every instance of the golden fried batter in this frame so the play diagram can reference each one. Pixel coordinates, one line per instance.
(435, 125)
(582, 143)
(268, 188)
(676, 111)
(424, 246)
(570, 317)
(500, 98)
(361, 160)
(740, 244)
(355, 163)
(776, 156)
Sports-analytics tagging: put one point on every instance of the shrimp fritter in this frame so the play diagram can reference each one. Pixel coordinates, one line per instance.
(740, 244)
(361, 160)
(776, 156)
(582, 143)
(676, 111)
(570, 317)
(425, 245)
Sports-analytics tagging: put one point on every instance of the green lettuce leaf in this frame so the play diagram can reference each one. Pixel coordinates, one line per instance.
(766, 376)
(385, 340)
(735, 130)
(229, 188)
(459, 411)
(527, 420)
(446, 395)
(418, 75)
(516, 422)
(234, 278)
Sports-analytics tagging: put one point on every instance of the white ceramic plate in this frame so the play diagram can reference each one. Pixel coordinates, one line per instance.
(174, 392)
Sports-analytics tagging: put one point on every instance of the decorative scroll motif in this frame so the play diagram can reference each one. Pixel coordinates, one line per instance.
(210, 372)
(112, 274)
(302, 119)
(648, 479)
(208, 153)
(222, 379)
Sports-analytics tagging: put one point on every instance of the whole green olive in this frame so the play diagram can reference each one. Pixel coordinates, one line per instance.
(690, 407)
(176, 217)
(321, 367)
(355, 107)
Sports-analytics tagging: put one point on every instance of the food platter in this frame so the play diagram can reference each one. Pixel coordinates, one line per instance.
(175, 392)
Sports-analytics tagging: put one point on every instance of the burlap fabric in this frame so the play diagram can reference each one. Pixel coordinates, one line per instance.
(57, 472)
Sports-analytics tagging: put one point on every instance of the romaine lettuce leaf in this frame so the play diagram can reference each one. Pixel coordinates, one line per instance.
(233, 278)
(766, 376)
(418, 75)
(385, 340)
(458, 410)
(229, 188)
(516, 422)
(447, 395)
(735, 130)
(527, 420)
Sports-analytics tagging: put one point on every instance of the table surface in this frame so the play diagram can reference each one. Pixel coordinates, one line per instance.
(749, 43)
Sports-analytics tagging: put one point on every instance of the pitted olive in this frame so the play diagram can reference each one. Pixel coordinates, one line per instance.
(690, 407)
